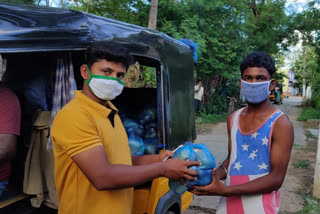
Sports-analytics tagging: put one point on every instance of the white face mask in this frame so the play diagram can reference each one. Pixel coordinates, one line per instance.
(105, 88)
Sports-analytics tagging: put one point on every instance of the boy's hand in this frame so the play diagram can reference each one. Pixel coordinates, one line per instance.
(216, 187)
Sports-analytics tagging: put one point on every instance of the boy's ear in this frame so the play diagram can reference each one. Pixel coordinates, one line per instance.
(272, 85)
(84, 72)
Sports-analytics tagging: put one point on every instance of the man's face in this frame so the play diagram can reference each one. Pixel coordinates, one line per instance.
(200, 83)
(257, 74)
(107, 68)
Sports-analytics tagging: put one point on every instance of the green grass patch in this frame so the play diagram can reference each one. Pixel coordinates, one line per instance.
(311, 204)
(309, 113)
(298, 147)
(303, 164)
(214, 118)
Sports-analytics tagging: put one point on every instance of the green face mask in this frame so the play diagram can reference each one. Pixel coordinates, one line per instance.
(105, 88)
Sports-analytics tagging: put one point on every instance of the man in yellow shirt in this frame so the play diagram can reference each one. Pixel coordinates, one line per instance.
(93, 163)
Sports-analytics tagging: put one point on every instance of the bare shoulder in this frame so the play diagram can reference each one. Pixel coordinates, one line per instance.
(283, 122)
(283, 130)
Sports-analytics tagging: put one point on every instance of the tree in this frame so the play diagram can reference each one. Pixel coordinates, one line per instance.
(153, 14)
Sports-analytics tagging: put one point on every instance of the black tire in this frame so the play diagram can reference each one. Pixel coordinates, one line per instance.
(170, 212)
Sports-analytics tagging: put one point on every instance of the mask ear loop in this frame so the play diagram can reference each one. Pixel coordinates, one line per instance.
(88, 81)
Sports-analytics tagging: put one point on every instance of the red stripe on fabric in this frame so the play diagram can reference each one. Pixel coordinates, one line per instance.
(238, 179)
(269, 202)
(234, 203)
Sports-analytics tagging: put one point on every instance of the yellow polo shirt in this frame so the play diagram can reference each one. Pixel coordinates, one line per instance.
(81, 125)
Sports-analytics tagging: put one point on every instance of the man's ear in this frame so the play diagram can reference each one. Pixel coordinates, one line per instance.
(240, 84)
(84, 72)
(272, 85)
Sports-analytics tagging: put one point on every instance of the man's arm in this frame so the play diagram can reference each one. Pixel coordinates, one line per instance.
(147, 159)
(282, 141)
(7, 147)
(105, 176)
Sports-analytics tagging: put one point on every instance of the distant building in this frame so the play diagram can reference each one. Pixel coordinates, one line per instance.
(289, 86)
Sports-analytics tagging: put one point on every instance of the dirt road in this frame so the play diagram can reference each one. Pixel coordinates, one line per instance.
(297, 179)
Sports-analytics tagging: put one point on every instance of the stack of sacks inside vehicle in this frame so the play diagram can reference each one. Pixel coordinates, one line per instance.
(195, 152)
(142, 132)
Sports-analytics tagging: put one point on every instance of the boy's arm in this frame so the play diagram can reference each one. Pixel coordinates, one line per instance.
(282, 141)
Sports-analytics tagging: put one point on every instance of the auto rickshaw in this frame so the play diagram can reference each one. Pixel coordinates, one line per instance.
(276, 95)
(35, 41)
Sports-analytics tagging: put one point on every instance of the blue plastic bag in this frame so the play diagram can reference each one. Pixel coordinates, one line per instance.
(136, 144)
(147, 116)
(195, 152)
(151, 145)
(132, 124)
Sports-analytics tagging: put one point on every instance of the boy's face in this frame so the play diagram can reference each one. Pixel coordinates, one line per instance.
(257, 74)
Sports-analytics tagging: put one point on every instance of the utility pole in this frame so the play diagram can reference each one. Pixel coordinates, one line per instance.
(304, 73)
(153, 14)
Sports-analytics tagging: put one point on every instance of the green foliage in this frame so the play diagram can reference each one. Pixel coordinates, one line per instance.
(225, 31)
(309, 113)
(139, 76)
(303, 164)
(311, 204)
(215, 105)
(214, 118)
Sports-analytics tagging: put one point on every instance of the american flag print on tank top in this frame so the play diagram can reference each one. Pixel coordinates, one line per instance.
(249, 160)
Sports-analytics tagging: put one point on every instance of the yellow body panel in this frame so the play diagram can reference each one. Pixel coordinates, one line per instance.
(146, 199)
(158, 189)
(186, 200)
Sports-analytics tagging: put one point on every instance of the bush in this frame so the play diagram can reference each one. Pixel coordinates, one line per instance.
(214, 118)
(215, 105)
(309, 113)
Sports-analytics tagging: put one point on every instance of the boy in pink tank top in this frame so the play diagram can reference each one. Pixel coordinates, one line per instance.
(259, 146)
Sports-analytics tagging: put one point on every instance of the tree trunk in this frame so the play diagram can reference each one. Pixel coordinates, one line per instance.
(88, 6)
(153, 14)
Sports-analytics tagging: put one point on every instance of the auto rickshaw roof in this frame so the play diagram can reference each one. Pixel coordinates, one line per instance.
(25, 28)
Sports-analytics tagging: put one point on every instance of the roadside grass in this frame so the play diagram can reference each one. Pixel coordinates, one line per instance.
(311, 204)
(204, 121)
(214, 118)
(309, 113)
(299, 147)
(303, 164)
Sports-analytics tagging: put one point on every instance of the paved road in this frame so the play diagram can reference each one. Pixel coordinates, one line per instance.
(216, 140)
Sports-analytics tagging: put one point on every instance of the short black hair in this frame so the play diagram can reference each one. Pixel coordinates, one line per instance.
(259, 59)
(110, 51)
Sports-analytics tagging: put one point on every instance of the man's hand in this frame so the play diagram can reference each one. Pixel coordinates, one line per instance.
(216, 187)
(165, 154)
(177, 169)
